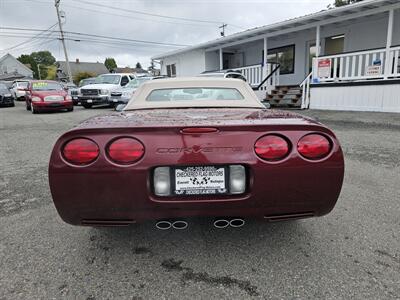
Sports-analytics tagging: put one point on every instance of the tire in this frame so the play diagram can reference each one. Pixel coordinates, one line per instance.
(28, 107)
(70, 109)
(86, 105)
(33, 110)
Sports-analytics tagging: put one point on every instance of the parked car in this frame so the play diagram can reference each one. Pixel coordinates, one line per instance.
(44, 95)
(100, 92)
(224, 74)
(19, 87)
(75, 92)
(195, 147)
(6, 97)
(124, 94)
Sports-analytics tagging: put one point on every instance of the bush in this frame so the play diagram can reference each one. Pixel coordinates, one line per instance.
(82, 75)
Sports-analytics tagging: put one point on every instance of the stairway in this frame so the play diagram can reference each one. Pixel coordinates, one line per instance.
(285, 96)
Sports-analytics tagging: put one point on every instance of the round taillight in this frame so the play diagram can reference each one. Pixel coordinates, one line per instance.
(272, 147)
(125, 150)
(80, 151)
(314, 146)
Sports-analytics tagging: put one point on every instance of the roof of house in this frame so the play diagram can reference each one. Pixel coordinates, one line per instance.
(322, 17)
(8, 55)
(96, 68)
(129, 70)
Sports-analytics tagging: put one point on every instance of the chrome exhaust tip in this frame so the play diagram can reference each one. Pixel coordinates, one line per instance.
(221, 223)
(163, 225)
(237, 222)
(180, 224)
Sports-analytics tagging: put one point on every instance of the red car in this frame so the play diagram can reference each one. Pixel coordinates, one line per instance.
(47, 95)
(195, 147)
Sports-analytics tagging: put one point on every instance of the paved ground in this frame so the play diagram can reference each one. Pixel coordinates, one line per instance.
(352, 253)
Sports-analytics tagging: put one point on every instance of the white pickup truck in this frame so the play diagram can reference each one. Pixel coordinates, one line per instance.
(100, 92)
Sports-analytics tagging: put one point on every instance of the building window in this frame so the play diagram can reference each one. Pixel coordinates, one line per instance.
(283, 56)
(171, 70)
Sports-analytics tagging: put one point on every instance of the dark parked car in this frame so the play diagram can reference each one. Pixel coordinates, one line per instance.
(6, 96)
(47, 95)
(195, 147)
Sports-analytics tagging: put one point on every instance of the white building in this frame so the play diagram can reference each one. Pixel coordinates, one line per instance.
(10, 67)
(355, 67)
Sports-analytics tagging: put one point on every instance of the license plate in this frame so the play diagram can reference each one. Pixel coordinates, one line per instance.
(90, 101)
(75, 98)
(200, 180)
(115, 100)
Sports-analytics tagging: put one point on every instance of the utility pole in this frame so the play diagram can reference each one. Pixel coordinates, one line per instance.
(38, 69)
(57, 4)
(223, 29)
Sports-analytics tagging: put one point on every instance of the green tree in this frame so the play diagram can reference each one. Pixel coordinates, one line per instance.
(27, 60)
(51, 72)
(82, 75)
(43, 59)
(110, 63)
(138, 65)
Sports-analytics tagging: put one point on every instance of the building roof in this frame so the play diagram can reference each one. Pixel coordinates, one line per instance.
(129, 70)
(96, 68)
(319, 18)
(8, 55)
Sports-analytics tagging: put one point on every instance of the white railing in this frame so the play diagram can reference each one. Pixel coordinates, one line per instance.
(305, 85)
(256, 74)
(371, 64)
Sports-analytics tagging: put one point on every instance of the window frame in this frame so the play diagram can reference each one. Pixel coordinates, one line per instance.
(169, 68)
(276, 51)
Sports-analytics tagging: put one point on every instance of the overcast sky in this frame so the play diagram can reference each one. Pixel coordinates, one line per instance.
(122, 22)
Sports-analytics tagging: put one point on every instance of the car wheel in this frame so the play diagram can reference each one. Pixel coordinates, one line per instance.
(70, 109)
(33, 110)
(28, 107)
(86, 105)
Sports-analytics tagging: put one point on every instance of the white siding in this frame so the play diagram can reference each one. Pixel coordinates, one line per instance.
(187, 64)
(382, 98)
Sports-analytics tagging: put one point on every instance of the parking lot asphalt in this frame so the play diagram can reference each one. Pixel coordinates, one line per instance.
(354, 252)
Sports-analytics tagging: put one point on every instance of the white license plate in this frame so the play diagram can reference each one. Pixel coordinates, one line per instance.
(75, 98)
(115, 100)
(90, 101)
(200, 180)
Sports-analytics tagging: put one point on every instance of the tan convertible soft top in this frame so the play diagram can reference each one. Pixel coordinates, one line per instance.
(139, 99)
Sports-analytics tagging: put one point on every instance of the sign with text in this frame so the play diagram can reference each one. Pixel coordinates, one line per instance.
(324, 68)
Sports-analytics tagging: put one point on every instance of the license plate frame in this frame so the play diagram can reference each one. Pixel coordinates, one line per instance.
(213, 189)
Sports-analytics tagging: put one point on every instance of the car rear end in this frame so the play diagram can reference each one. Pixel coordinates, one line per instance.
(280, 168)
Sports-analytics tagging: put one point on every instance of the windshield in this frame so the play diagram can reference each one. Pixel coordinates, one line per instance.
(108, 79)
(46, 86)
(187, 94)
(86, 82)
(22, 84)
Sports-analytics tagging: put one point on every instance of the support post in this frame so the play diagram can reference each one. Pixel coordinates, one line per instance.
(265, 62)
(317, 51)
(221, 59)
(389, 39)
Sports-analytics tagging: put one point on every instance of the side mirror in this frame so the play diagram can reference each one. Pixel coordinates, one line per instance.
(120, 107)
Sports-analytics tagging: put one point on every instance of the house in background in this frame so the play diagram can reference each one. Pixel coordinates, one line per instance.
(356, 65)
(96, 68)
(11, 68)
(130, 70)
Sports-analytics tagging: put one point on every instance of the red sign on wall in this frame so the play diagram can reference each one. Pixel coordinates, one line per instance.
(324, 68)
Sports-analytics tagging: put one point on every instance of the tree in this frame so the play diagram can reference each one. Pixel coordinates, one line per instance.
(138, 65)
(43, 59)
(51, 72)
(82, 75)
(339, 3)
(110, 63)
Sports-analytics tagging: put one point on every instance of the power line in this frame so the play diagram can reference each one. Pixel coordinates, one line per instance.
(99, 36)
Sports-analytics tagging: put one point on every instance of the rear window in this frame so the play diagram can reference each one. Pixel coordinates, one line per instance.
(188, 94)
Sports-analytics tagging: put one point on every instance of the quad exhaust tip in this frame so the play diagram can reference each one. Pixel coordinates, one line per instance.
(224, 223)
(165, 224)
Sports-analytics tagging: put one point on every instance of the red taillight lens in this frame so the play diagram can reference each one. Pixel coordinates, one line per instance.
(314, 146)
(272, 147)
(125, 150)
(80, 151)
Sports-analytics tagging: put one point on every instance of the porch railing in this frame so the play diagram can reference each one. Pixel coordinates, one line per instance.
(255, 74)
(370, 64)
(305, 85)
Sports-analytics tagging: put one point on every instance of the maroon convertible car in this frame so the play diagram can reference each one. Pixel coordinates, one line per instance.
(195, 147)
